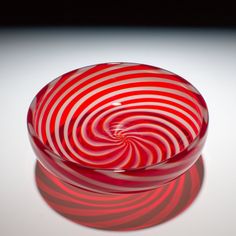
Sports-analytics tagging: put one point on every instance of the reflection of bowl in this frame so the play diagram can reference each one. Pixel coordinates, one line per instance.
(121, 212)
(118, 127)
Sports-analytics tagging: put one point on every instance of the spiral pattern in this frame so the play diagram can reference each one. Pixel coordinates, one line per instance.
(120, 211)
(118, 116)
(118, 127)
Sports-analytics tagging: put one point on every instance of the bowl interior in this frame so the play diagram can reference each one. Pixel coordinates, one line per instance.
(118, 115)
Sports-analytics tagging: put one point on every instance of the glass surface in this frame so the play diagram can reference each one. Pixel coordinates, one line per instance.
(118, 127)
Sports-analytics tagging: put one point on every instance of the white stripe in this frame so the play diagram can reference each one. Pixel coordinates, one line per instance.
(157, 148)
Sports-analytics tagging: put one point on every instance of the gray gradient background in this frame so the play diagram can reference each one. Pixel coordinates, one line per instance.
(30, 58)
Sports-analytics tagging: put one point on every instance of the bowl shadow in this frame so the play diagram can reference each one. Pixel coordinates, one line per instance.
(120, 212)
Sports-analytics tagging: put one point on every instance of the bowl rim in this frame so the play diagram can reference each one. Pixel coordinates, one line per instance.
(202, 131)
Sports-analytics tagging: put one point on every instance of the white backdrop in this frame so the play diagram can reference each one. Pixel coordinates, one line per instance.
(30, 58)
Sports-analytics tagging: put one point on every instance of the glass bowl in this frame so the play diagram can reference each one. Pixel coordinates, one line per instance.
(118, 127)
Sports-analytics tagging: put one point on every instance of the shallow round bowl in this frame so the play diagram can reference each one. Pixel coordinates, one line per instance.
(118, 127)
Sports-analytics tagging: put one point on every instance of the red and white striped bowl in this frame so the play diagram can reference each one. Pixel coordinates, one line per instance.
(118, 127)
